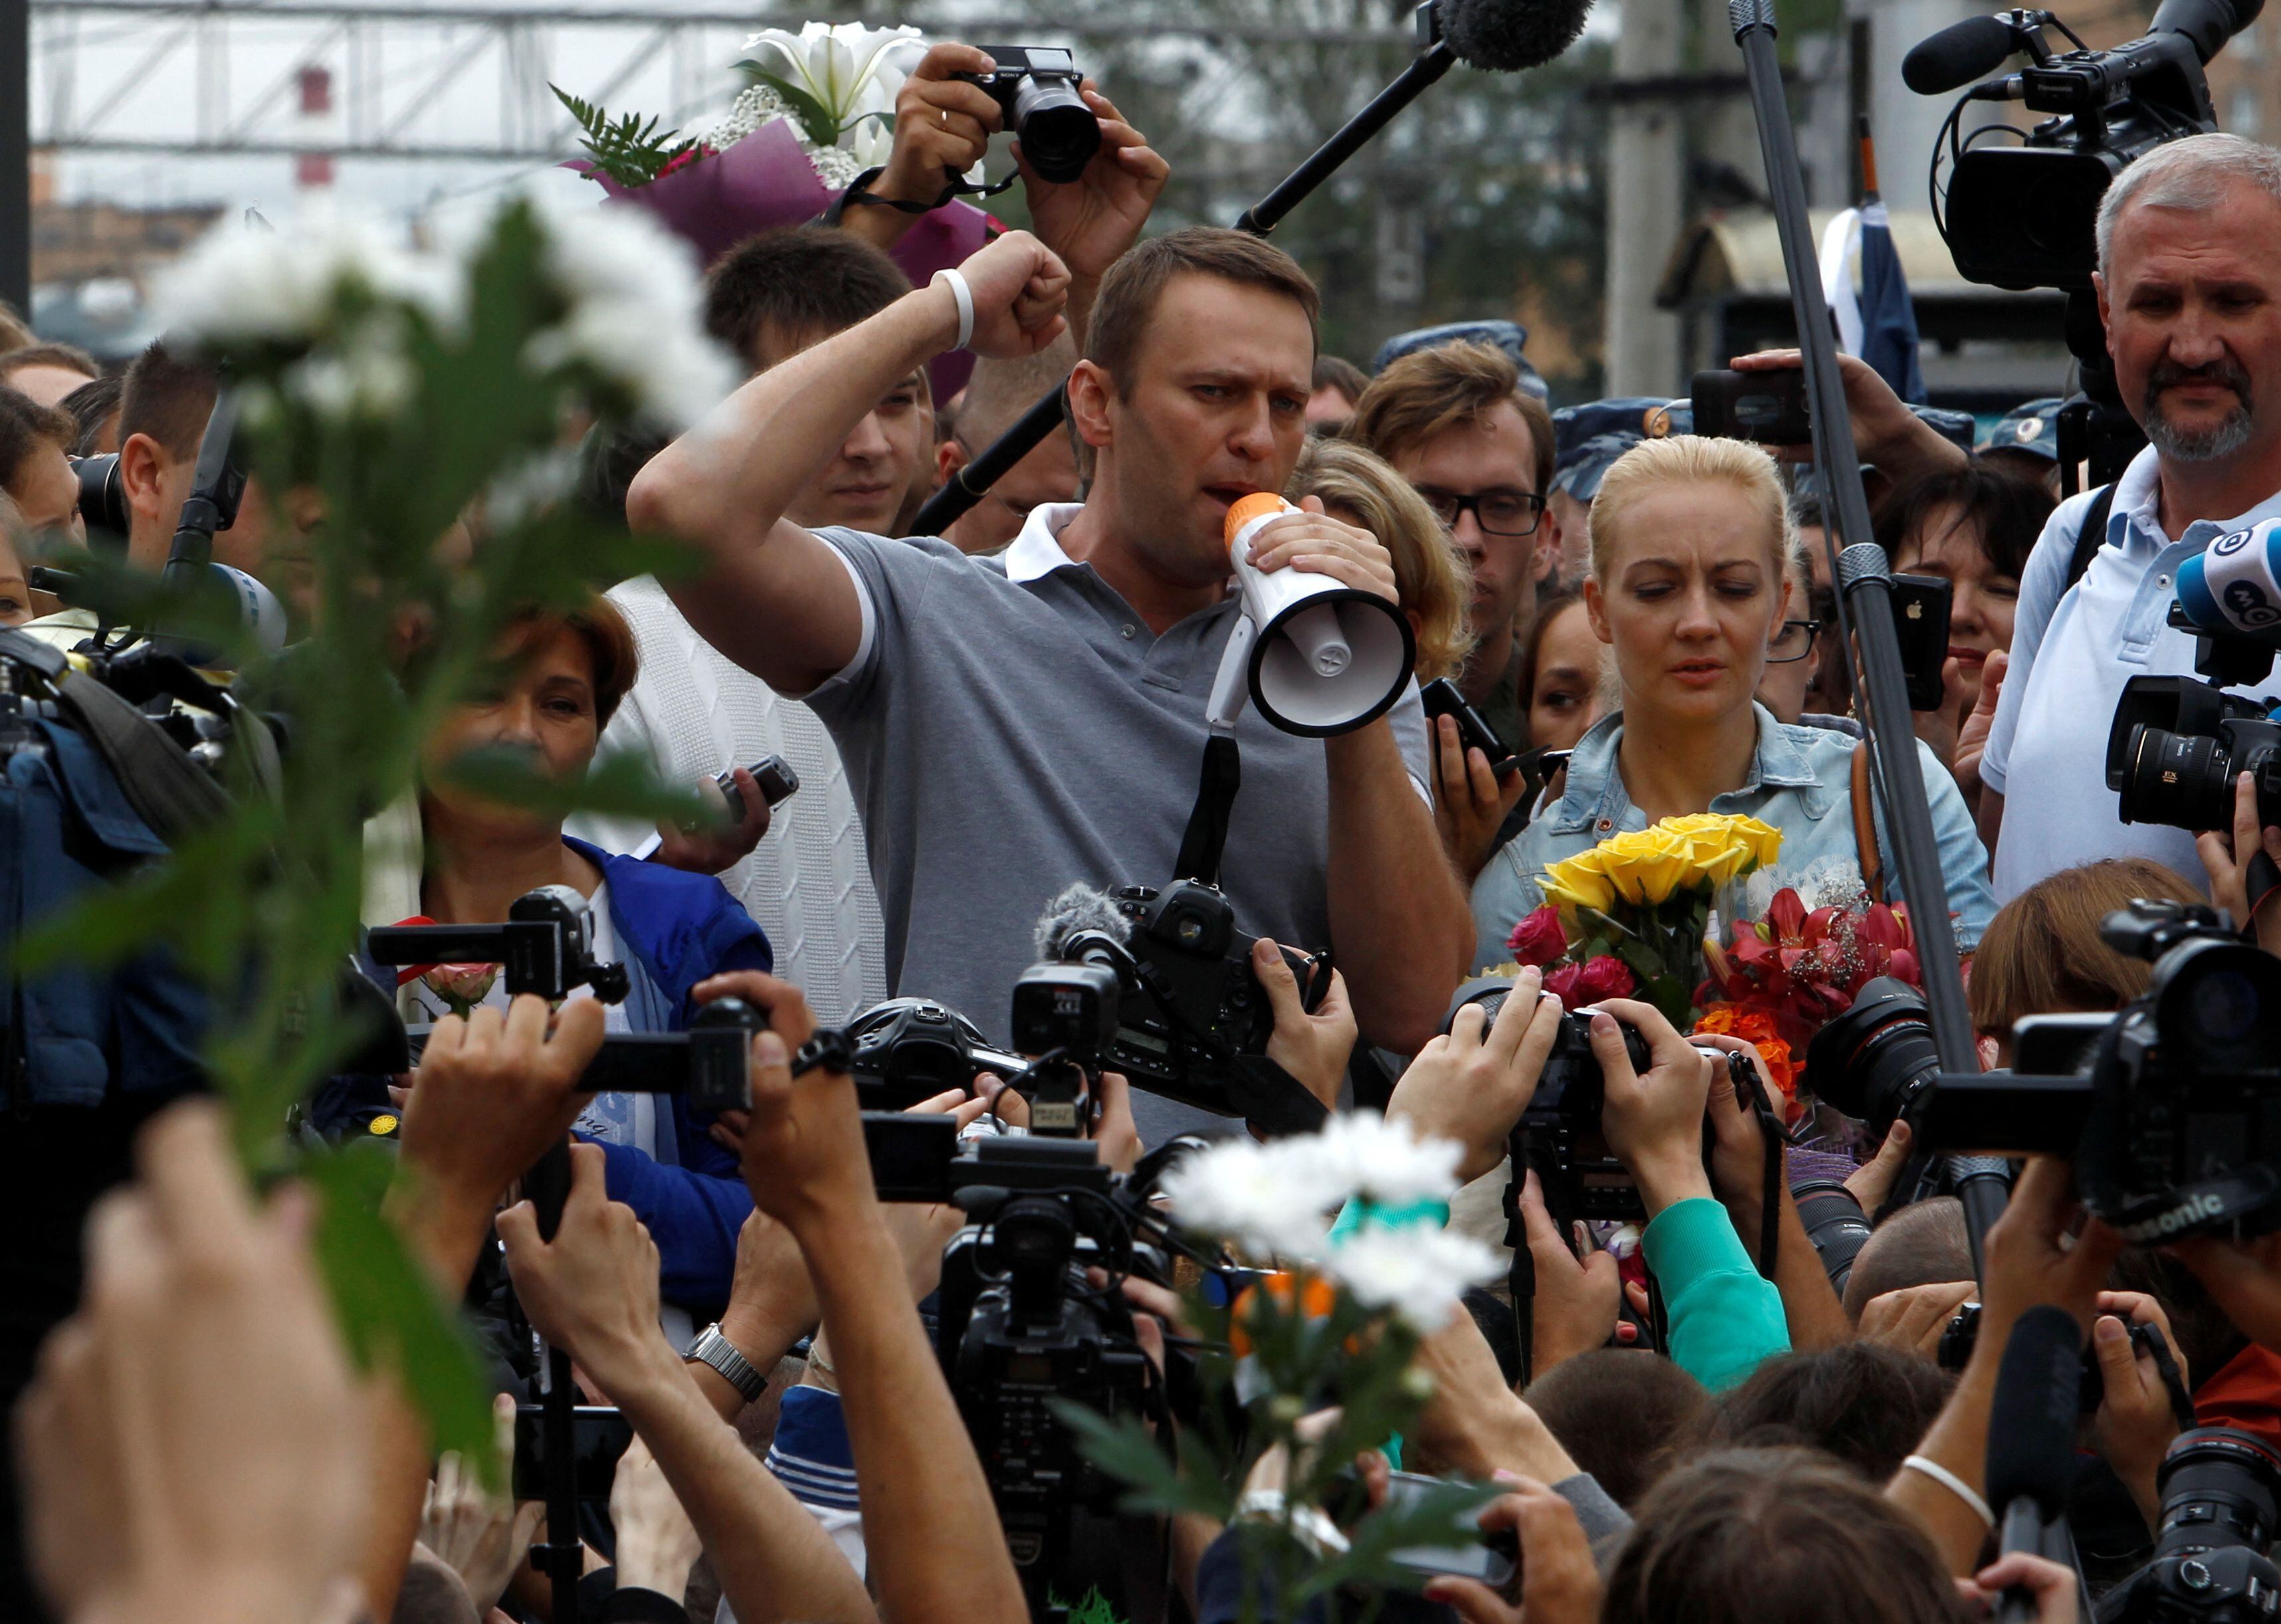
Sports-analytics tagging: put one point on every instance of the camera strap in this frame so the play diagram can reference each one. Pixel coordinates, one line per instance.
(2261, 879)
(858, 192)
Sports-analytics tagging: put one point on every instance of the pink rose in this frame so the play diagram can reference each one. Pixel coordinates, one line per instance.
(463, 984)
(1606, 977)
(1539, 939)
(1561, 984)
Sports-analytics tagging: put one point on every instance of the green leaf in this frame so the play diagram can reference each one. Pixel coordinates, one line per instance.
(390, 1308)
(623, 787)
(628, 149)
(815, 119)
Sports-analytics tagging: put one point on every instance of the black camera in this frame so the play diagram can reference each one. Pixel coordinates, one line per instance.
(1561, 1133)
(2177, 748)
(102, 495)
(908, 1049)
(2221, 1489)
(2020, 210)
(1020, 1331)
(1192, 1021)
(1961, 1336)
(1036, 88)
(2174, 1120)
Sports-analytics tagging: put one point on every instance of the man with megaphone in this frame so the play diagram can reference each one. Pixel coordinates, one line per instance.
(1020, 723)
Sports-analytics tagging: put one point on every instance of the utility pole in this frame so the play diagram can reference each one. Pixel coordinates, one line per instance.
(16, 154)
(1646, 191)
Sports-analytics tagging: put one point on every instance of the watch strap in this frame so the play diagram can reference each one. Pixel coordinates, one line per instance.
(712, 1350)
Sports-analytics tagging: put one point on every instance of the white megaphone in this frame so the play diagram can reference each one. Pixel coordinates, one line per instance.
(1318, 656)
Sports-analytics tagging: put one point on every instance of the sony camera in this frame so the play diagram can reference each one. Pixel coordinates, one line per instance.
(2171, 1109)
(2221, 1490)
(1036, 88)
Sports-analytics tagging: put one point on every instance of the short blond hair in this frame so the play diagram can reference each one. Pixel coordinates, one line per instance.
(1430, 574)
(1693, 459)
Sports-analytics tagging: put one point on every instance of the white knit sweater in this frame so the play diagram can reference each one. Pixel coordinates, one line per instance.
(694, 713)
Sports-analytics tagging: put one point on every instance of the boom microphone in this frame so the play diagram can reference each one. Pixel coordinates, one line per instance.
(1959, 54)
(1078, 908)
(2032, 1448)
(1505, 36)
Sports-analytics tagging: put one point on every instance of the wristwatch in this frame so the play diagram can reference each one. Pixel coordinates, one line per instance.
(716, 1350)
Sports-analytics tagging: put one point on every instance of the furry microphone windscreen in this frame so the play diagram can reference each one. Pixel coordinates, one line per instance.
(1079, 908)
(1506, 36)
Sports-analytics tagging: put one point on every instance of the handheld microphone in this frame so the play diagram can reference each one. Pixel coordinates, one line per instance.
(1505, 36)
(2031, 1447)
(2232, 587)
(1959, 54)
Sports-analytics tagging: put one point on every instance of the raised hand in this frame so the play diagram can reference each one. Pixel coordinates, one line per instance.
(1578, 1301)
(1020, 287)
(1092, 220)
(717, 847)
(480, 1534)
(593, 1289)
(1470, 803)
(943, 126)
(1473, 1089)
(1314, 1048)
(1559, 1581)
(1311, 539)
(657, 1543)
(1654, 1123)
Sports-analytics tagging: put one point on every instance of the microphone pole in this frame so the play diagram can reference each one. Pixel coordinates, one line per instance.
(2030, 1464)
(1863, 574)
(562, 1558)
(971, 483)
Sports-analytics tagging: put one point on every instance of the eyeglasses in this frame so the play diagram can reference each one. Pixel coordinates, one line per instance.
(1794, 641)
(1498, 512)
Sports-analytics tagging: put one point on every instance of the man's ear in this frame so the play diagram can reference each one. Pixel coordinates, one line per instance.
(949, 457)
(142, 469)
(1089, 391)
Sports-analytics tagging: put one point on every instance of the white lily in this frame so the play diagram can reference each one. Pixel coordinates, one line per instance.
(850, 70)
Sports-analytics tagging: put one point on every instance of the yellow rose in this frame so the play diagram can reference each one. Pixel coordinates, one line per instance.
(1578, 882)
(1722, 862)
(1766, 840)
(1666, 863)
(1621, 857)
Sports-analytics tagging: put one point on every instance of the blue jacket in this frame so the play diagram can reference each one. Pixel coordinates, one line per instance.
(675, 929)
(1800, 782)
(67, 830)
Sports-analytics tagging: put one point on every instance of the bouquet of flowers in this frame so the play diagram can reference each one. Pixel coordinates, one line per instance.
(1320, 1353)
(1628, 918)
(1782, 977)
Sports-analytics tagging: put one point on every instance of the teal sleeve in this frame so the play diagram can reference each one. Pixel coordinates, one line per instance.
(1361, 1212)
(1725, 1319)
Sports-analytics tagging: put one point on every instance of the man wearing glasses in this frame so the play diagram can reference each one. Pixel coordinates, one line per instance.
(1455, 421)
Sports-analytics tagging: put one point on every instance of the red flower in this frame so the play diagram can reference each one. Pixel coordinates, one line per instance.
(1606, 977)
(1561, 984)
(1539, 939)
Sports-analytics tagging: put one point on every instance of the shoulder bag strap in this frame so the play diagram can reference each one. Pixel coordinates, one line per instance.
(1864, 826)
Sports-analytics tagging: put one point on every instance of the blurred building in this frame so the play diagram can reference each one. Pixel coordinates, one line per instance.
(92, 262)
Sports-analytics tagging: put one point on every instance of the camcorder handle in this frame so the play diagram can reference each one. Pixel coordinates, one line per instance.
(562, 1556)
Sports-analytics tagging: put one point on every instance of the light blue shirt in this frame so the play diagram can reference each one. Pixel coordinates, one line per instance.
(1800, 782)
(2073, 649)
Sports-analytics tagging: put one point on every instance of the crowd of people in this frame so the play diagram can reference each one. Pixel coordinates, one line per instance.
(1646, 618)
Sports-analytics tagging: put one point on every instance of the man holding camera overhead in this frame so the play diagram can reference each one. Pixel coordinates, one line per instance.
(1018, 724)
(2190, 291)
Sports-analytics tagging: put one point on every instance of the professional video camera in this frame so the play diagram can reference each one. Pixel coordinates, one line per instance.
(1560, 1135)
(1189, 1018)
(2221, 1489)
(2178, 746)
(2021, 216)
(1036, 88)
(545, 946)
(2171, 1108)
(1018, 1328)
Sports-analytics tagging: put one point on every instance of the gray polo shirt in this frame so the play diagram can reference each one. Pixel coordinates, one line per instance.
(1011, 727)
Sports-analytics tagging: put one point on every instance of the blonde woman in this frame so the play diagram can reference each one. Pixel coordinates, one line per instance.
(1690, 541)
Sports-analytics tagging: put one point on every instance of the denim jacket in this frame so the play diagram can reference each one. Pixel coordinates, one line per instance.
(1800, 782)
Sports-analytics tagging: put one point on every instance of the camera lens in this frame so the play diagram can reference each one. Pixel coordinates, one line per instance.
(1835, 1223)
(1058, 132)
(2183, 780)
(2225, 1006)
(2219, 1487)
(1873, 1061)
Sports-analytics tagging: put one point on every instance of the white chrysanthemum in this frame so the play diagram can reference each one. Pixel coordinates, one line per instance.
(635, 312)
(252, 283)
(1415, 1273)
(531, 485)
(369, 379)
(1268, 1199)
(1385, 1162)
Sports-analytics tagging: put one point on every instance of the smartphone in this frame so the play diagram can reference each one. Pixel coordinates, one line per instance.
(1767, 407)
(600, 1436)
(1920, 605)
(1491, 1558)
(777, 781)
(1441, 698)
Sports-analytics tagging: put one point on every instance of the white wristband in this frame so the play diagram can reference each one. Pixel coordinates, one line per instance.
(1954, 1484)
(964, 295)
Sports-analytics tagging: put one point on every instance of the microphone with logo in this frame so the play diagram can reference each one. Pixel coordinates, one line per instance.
(2031, 1464)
